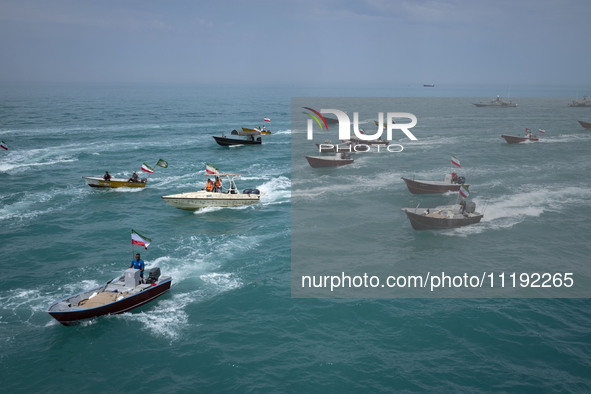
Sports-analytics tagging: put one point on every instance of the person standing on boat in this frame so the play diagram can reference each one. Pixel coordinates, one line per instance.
(138, 264)
(218, 184)
(209, 185)
(107, 176)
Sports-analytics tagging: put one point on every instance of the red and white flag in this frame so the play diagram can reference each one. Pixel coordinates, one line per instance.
(455, 161)
(541, 131)
(147, 168)
(464, 191)
(137, 239)
(3, 145)
(267, 120)
(211, 169)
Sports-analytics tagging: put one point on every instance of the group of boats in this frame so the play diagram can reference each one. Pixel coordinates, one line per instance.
(462, 213)
(130, 291)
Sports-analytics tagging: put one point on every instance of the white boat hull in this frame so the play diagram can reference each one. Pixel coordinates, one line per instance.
(193, 201)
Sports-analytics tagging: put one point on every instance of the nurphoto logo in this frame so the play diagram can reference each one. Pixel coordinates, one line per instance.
(345, 124)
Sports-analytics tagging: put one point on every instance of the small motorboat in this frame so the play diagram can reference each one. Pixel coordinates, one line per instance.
(192, 201)
(448, 184)
(586, 125)
(498, 103)
(99, 181)
(116, 296)
(340, 159)
(515, 140)
(443, 217)
(252, 138)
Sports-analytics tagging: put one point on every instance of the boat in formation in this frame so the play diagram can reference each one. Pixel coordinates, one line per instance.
(511, 139)
(99, 181)
(204, 198)
(252, 137)
(585, 102)
(497, 102)
(339, 159)
(449, 184)
(116, 296)
(443, 217)
(586, 125)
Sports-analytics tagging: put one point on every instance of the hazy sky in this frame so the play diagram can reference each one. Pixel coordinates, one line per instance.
(296, 42)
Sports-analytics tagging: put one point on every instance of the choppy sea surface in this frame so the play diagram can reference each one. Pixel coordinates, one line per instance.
(229, 323)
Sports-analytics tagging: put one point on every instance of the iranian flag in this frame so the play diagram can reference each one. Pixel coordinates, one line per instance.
(455, 161)
(267, 120)
(3, 145)
(147, 168)
(211, 169)
(541, 131)
(162, 163)
(464, 191)
(137, 239)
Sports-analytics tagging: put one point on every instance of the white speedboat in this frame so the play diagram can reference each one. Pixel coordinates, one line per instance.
(229, 197)
(443, 217)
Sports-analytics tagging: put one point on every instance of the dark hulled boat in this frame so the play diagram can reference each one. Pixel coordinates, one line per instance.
(586, 125)
(432, 187)
(515, 140)
(115, 297)
(444, 217)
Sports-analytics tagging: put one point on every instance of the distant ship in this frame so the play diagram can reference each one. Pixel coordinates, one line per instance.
(429, 85)
(496, 103)
(585, 102)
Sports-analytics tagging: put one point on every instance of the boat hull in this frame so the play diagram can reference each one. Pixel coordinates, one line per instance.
(586, 125)
(193, 201)
(515, 140)
(322, 162)
(69, 317)
(420, 220)
(430, 187)
(99, 182)
(225, 141)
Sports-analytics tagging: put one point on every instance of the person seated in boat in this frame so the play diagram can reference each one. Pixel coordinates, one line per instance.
(107, 176)
(217, 184)
(134, 178)
(209, 185)
(138, 264)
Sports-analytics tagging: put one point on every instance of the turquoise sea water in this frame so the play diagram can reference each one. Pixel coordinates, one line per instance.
(229, 323)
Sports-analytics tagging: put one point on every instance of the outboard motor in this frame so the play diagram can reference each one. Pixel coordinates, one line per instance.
(461, 180)
(470, 207)
(251, 191)
(234, 132)
(153, 275)
(259, 139)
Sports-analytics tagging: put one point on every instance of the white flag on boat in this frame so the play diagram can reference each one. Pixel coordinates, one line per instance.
(147, 168)
(464, 191)
(211, 169)
(455, 161)
(137, 239)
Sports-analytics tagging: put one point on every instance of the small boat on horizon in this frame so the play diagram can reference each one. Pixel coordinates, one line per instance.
(117, 296)
(429, 85)
(443, 217)
(585, 102)
(497, 102)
